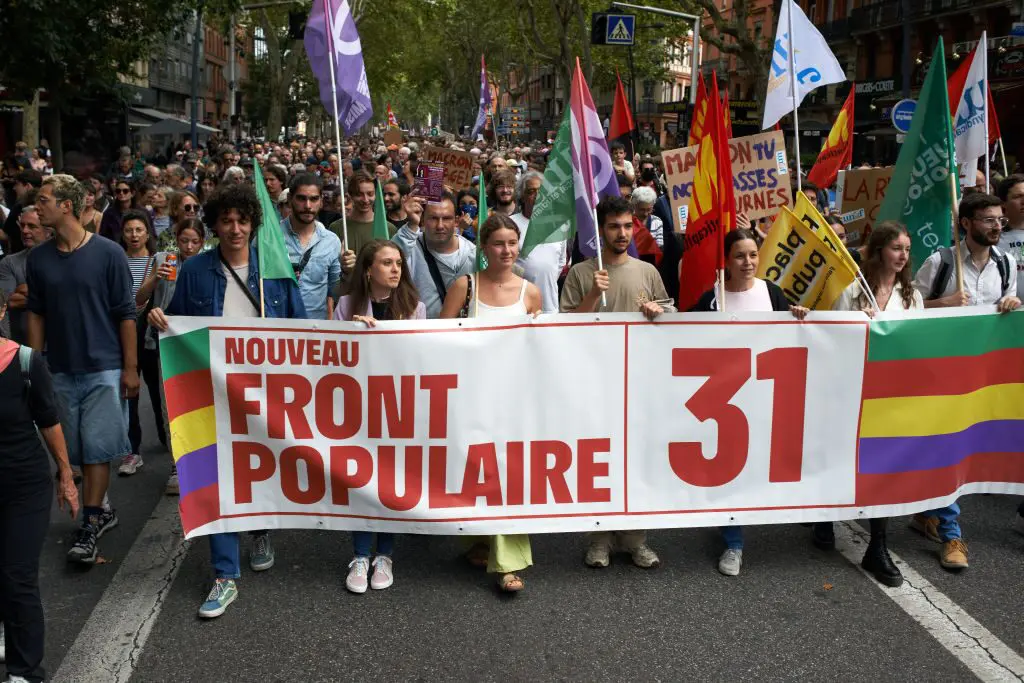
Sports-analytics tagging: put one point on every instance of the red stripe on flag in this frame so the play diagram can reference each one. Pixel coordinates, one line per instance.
(909, 487)
(950, 376)
(200, 507)
(187, 392)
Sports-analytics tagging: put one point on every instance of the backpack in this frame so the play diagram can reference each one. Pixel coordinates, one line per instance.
(946, 268)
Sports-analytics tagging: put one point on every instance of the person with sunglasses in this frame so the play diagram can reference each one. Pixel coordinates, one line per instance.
(110, 225)
(989, 278)
(183, 205)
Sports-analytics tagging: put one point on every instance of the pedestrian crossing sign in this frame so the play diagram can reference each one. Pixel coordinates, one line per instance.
(620, 29)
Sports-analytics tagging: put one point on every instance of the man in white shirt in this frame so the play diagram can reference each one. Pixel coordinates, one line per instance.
(989, 277)
(1011, 192)
(545, 262)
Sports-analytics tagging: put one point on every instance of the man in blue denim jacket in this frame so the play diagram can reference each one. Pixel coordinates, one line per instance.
(225, 282)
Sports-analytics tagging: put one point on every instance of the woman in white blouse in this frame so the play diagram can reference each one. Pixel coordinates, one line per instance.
(887, 270)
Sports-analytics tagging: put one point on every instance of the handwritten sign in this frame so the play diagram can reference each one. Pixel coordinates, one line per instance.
(760, 176)
(859, 196)
(458, 165)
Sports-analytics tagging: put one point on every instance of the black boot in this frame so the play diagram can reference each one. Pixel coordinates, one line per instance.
(876, 558)
(823, 536)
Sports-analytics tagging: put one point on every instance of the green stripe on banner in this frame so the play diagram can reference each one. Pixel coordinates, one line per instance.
(185, 352)
(970, 335)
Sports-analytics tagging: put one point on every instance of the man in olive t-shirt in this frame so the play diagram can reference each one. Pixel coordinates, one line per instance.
(362, 191)
(630, 285)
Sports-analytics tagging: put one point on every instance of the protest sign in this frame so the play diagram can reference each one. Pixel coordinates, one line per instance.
(458, 165)
(859, 196)
(810, 271)
(704, 420)
(760, 177)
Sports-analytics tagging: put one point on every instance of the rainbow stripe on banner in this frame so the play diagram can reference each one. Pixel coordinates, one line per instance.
(188, 391)
(941, 407)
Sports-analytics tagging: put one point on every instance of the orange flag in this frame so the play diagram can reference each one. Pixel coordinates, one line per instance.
(727, 114)
(838, 150)
(700, 113)
(712, 208)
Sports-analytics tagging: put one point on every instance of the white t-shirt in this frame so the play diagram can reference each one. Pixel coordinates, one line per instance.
(754, 299)
(543, 266)
(236, 303)
(1012, 243)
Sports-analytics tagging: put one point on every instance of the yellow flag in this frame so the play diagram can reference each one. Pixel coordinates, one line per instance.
(795, 258)
(809, 214)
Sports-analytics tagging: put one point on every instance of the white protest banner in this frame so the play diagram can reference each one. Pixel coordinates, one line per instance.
(572, 422)
(760, 177)
(458, 165)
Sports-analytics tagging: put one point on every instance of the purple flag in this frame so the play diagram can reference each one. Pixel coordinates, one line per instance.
(592, 170)
(485, 100)
(332, 42)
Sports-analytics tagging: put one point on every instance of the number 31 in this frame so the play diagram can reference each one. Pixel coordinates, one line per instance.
(727, 371)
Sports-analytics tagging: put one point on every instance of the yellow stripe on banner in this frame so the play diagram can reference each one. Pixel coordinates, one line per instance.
(929, 415)
(192, 431)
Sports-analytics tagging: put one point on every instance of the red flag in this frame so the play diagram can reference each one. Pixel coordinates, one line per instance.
(621, 127)
(993, 120)
(838, 150)
(392, 121)
(727, 113)
(712, 208)
(700, 111)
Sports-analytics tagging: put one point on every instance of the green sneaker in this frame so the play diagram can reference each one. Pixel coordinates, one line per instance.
(222, 594)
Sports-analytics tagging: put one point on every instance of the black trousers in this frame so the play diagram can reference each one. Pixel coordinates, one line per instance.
(149, 365)
(24, 520)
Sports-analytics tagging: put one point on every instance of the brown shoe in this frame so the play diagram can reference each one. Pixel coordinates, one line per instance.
(927, 527)
(954, 554)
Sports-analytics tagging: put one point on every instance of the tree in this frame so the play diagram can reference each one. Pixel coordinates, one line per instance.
(73, 48)
(734, 37)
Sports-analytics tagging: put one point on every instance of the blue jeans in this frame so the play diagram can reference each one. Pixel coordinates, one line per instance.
(949, 521)
(95, 417)
(362, 543)
(224, 555)
(733, 537)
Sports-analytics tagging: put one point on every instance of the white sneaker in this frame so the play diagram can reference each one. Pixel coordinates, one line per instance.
(3, 647)
(730, 562)
(130, 464)
(383, 574)
(357, 573)
(17, 679)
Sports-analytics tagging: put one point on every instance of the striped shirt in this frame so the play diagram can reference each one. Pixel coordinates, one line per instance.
(139, 265)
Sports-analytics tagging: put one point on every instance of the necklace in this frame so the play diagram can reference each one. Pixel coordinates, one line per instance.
(85, 235)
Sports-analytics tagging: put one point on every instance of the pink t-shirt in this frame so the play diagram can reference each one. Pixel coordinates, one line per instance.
(754, 299)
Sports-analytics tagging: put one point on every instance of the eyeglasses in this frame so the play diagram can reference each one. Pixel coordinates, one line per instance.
(122, 190)
(189, 208)
(992, 221)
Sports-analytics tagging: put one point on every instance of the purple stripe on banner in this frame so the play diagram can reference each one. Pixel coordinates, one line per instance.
(893, 454)
(197, 469)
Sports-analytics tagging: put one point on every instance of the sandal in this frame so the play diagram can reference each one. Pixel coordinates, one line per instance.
(478, 555)
(510, 583)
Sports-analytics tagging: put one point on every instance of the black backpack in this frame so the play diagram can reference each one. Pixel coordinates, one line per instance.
(946, 268)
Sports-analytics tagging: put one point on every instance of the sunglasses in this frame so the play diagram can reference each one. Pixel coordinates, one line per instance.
(122, 190)
(189, 208)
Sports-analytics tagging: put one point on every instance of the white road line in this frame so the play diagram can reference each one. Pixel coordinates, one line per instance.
(976, 647)
(108, 647)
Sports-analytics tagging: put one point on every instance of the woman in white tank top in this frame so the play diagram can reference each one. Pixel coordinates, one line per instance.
(495, 293)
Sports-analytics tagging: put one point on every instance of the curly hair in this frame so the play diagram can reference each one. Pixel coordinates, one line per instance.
(238, 196)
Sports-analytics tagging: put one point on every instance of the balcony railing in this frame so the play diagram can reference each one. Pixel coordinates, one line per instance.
(886, 13)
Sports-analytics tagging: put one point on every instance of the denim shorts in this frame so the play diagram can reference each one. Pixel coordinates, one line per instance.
(93, 416)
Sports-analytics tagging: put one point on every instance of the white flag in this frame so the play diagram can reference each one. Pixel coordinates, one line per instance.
(970, 133)
(815, 65)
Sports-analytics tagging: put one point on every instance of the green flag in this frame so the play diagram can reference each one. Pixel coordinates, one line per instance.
(920, 194)
(481, 216)
(554, 213)
(380, 215)
(273, 254)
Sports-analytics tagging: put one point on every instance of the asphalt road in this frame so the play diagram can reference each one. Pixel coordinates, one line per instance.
(795, 613)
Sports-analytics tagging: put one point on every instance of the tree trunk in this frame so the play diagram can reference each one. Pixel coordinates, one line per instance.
(30, 122)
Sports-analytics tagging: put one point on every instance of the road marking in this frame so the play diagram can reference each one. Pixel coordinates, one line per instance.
(108, 647)
(976, 647)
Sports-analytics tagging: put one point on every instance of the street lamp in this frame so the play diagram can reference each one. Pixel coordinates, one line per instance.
(695, 63)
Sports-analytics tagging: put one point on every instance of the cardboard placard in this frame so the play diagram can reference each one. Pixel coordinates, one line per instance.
(859, 196)
(393, 137)
(760, 176)
(458, 165)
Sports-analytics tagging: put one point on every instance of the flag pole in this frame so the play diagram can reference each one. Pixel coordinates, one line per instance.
(1002, 153)
(984, 66)
(721, 290)
(792, 85)
(956, 231)
(337, 123)
(590, 199)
